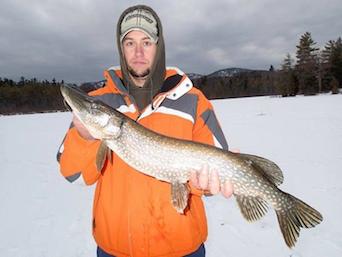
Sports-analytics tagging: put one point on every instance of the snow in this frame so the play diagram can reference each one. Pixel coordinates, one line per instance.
(43, 215)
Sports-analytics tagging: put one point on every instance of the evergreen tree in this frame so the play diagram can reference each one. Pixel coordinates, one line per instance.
(287, 64)
(307, 66)
(326, 53)
(336, 61)
(331, 58)
(326, 64)
(288, 85)
(22, 81)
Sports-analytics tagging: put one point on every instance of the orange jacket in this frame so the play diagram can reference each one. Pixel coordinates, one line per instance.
(132, 213)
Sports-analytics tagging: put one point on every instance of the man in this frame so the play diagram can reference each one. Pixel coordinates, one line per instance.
(132, 213)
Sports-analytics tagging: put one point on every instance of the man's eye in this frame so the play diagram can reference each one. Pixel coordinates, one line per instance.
(147, 43)
(129, 43)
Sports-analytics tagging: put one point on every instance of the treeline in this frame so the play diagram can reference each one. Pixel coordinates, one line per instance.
(313, 71)
(30, 96)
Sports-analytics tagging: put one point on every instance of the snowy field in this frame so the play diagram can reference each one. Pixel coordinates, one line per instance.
(42, 215)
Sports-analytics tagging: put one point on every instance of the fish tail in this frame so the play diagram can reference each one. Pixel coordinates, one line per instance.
(294, 216)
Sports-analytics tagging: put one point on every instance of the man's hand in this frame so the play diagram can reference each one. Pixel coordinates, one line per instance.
(211, 184)
(81, 129)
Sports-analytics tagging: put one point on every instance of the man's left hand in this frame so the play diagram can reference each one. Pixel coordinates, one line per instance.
(210, 182)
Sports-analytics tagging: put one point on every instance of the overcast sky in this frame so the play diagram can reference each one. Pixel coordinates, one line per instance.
(74, 40)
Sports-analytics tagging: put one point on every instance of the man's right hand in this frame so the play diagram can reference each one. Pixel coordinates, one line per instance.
(82, 130)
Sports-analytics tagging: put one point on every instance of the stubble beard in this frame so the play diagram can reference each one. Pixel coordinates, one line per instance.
(139, 76)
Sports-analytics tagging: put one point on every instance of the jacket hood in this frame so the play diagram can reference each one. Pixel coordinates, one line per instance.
(156, 77)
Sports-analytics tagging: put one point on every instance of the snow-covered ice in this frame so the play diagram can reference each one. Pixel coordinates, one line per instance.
(42, 215)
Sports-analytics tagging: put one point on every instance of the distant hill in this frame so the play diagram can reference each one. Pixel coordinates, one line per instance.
(223, 73)
(194, 75)
(229, 72)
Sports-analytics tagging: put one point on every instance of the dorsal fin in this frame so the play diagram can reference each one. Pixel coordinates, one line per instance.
(266, 167)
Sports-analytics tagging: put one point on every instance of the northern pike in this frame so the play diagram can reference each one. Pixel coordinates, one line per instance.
(255, 179)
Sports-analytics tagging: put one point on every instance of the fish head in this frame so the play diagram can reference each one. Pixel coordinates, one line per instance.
(101, 120)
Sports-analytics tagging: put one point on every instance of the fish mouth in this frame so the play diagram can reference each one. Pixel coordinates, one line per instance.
(75, 98)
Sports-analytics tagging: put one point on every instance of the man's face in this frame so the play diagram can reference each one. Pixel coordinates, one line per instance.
(139, 52)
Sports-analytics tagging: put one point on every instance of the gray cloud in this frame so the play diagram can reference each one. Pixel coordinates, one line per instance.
(75, 40)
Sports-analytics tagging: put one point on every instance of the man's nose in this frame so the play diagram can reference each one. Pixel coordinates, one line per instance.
(139, 50)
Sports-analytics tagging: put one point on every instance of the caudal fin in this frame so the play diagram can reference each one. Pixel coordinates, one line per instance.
(299, 215)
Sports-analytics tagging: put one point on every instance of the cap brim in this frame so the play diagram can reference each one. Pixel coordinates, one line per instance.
(153, 39)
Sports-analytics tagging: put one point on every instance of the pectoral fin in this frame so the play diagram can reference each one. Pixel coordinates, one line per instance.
(179, 196)
(109, 155)
(101, 156)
